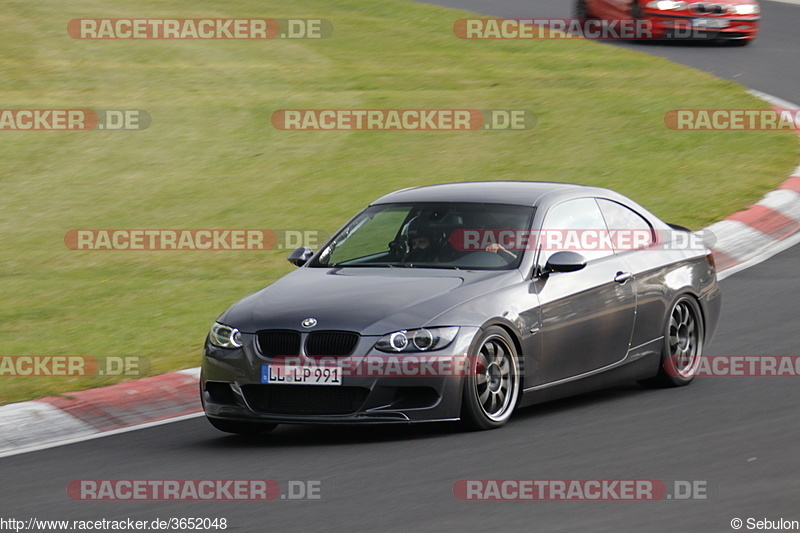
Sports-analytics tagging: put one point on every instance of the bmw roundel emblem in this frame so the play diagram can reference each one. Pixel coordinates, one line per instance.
(309, 322)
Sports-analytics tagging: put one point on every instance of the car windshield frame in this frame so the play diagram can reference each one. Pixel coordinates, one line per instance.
(446, 219)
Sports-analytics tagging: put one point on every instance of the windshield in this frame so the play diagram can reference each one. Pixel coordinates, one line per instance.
(429, 235)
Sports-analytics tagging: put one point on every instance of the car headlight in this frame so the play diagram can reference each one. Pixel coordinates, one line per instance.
(417, 340)
(746, 9)
(666, 5)
(225, 336)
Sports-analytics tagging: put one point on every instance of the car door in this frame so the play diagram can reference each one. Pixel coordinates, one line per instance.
(647, 263)
(587, 316)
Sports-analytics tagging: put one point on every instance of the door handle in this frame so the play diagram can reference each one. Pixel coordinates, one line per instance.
(622, 277)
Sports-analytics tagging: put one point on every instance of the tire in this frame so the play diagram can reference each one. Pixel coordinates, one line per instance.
(683, 345)
(636, 10)
(241, 428)
(491, 391)
(580, 10)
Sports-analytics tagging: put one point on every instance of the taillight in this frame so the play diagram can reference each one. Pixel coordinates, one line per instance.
(710, 260)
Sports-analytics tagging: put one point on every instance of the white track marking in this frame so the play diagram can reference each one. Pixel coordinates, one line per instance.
(99, 434)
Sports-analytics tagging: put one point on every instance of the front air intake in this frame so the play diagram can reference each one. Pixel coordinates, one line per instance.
(331, 343)
(277, 342)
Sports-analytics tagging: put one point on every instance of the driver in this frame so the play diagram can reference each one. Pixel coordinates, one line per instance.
(421, 242)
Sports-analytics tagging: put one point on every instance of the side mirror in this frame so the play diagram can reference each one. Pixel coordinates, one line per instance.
(300, 256)
(564, 262)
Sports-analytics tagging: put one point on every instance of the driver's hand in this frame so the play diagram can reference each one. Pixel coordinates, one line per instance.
(502, 252)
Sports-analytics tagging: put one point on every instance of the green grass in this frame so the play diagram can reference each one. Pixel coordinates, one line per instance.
(211, 159)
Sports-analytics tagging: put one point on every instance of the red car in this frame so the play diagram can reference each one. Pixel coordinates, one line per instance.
(731, 20)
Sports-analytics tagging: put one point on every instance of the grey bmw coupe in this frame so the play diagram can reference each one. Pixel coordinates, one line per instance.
(465, 301)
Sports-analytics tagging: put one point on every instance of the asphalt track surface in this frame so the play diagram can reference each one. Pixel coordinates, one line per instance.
(770, 64)
(738, 435)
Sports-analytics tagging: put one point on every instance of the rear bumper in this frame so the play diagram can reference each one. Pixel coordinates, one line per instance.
(711, 305)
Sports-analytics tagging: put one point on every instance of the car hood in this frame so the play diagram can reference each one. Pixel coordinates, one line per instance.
(371, 301)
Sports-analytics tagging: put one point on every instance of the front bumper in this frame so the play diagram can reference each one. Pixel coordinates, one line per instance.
(680, 26)
(231, 389)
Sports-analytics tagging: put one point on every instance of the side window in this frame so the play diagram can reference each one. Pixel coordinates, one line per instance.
(576, 226)
(629, 230)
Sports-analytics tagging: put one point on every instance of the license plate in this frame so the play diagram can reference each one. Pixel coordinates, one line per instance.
(711, 24)
(301, 375)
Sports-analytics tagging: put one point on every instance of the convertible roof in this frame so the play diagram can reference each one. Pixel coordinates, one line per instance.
(499, 192)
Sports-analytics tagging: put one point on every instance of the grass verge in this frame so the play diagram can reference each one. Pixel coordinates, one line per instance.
(211, 158)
